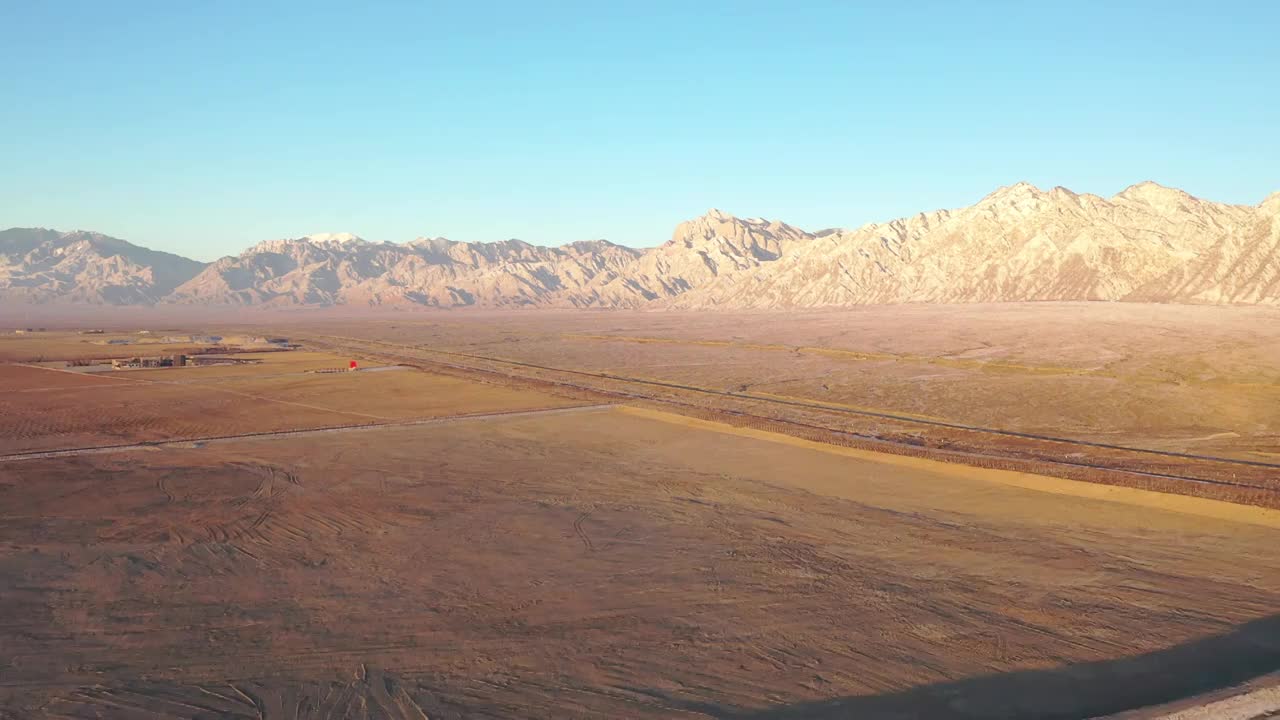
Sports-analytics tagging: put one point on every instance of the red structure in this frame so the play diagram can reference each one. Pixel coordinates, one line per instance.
(353, 365)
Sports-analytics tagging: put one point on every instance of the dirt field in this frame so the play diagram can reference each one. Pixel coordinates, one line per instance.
(127, 412)
(396, 395)
(21, 378)
(47, 409)
(435, 555)
(1193, 379)
(605, 564)
(70, 345)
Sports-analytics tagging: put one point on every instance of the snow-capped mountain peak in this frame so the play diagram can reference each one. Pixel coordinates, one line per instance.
(340, 238)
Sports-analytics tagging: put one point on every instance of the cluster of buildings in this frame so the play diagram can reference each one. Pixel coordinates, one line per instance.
(171, 361)
(163, 361)
(225, 340)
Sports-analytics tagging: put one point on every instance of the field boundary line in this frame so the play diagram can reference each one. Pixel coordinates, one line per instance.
(299, 432)
(102, 376)
(1185, 504)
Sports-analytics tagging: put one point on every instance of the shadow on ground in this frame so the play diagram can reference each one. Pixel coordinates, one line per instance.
(1075, 691)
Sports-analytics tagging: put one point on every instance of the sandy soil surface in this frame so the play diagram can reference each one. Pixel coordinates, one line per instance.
(1168, 377)
(606, 564)
(1183, 378)
(23, 379)
(397, 395)
(47, 409)
(1110, 461)
(127, 412)
(630, 562)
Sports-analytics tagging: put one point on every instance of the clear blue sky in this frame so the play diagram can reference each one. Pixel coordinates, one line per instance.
(203, 127)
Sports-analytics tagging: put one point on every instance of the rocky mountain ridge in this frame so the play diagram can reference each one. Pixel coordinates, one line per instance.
(1020, 243)
(39, 266)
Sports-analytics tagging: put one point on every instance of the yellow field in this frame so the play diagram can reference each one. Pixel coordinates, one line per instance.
(398, 394)
(946, 475)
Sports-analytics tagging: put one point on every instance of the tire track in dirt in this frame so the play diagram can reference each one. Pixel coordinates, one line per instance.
(582, 534)
(163, 487)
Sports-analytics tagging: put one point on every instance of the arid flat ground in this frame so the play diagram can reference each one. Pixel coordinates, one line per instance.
(48, 409)
(56, 344)
(1187, 378)
(434, 544)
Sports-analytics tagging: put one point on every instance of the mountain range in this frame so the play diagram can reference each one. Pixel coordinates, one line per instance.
(1148, 243)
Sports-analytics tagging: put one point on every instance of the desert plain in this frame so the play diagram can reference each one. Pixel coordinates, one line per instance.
(1051, 510)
